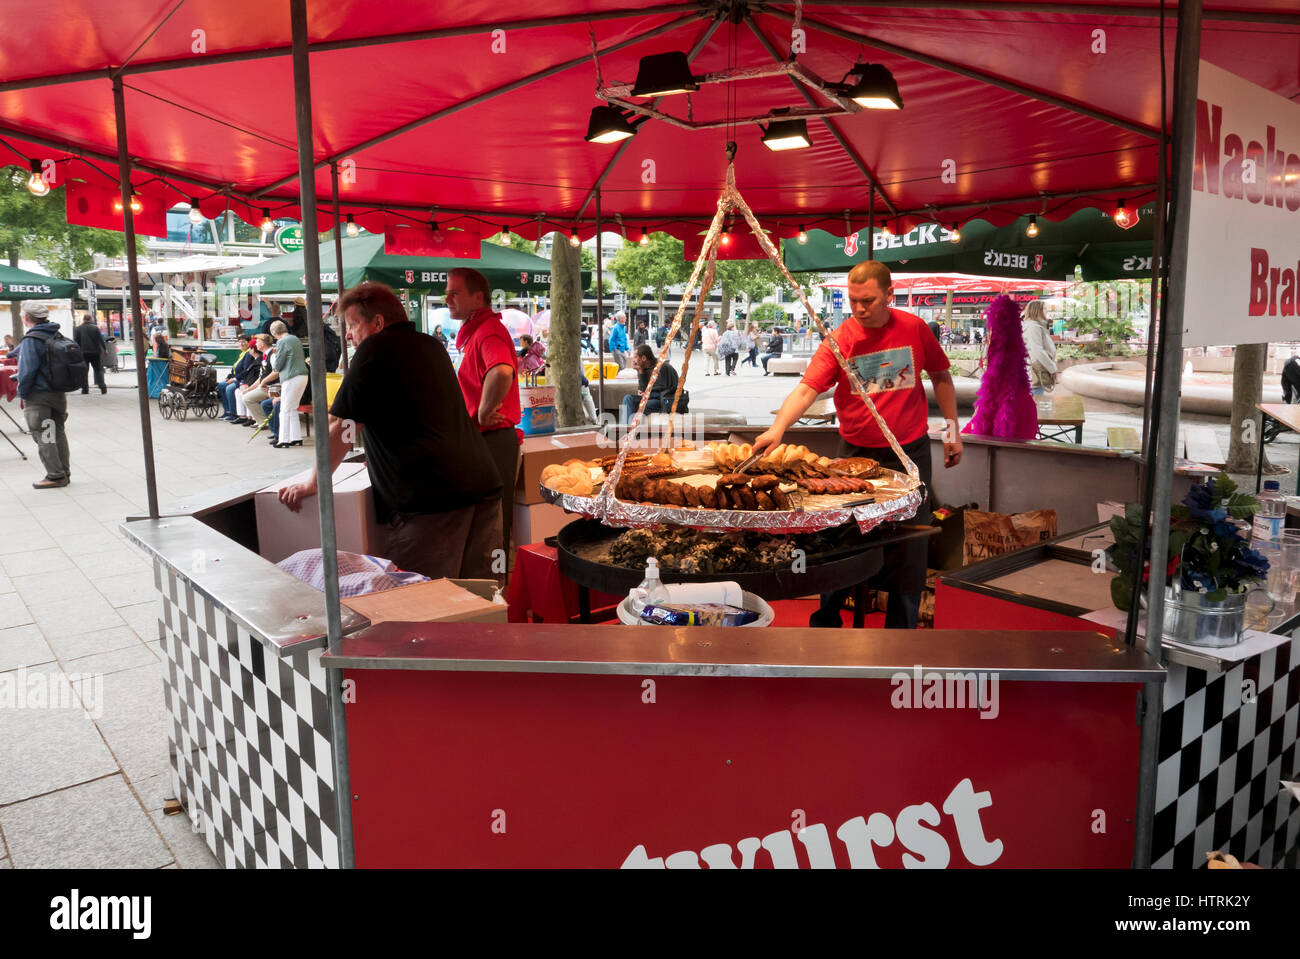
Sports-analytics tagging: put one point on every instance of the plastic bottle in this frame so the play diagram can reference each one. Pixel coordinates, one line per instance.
(651, 592)
(1270, 518)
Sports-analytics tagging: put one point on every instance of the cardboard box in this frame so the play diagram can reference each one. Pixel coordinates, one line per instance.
(282, 532)
(535, 522)
(539, 452)
(437, 601)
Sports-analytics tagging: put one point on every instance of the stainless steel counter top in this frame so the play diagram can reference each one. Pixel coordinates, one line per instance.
(720, 651)
(284, 612)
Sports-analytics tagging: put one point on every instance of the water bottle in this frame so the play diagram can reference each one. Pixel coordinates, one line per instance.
(1270, 518)
(651, 592)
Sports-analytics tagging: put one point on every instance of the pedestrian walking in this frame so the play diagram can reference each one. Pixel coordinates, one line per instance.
(49, 366)
(711, 349)
(91, 340)
(729, 349)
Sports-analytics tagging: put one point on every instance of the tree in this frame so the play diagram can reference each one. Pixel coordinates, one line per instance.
(1245, 429)
(36, 227)
(564, 352)
(650, 269)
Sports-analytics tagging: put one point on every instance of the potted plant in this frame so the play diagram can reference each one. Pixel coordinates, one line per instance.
(1210, 566)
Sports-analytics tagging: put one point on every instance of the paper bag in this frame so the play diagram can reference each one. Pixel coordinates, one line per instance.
(992, 534)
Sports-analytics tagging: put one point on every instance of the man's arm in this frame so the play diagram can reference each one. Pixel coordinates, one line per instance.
(496, 384)
(795, 405)
(945, 394)
(292, 496)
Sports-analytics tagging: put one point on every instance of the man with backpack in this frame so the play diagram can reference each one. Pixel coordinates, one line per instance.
(49, 366)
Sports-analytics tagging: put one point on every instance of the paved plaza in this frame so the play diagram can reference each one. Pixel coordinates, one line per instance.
(83, 780)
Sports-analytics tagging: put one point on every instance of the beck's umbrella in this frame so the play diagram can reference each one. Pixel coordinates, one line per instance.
(16, 284)
(364, 259)
(1090, 239)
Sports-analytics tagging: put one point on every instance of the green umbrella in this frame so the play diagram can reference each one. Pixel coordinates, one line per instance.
(1089, 239)
(16, 284)
(364, 259)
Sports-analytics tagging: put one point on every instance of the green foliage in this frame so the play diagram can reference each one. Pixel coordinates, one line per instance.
(766, 314)
(1113, 333)
(650, 270)
(37, 228)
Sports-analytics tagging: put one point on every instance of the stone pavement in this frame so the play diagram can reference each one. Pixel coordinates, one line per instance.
(82, 780)
(83, 776)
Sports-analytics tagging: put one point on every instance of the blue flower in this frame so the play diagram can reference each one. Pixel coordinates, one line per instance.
(1253, 561)
(1199, 497)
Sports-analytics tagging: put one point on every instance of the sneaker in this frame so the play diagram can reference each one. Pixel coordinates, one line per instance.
(49, 483)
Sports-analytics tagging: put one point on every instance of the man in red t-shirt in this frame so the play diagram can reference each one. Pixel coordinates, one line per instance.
(489, 379)
(889, 348)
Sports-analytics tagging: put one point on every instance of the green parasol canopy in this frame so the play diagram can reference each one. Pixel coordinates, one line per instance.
(364, 259)
(1089, 239)
(16, 284)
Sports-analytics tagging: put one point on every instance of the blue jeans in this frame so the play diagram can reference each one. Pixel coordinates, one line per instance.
(271, 408)
(227, 391)
(630, 402)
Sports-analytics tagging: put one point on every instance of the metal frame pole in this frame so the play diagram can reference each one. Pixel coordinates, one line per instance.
(1166, 433)
(338, 257)
(600, 324)
(324, 479)
(133, 274)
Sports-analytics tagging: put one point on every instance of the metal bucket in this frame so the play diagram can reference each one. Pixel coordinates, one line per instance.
(1191, 619)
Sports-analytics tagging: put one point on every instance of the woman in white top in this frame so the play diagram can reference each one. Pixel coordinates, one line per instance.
(1035, 328)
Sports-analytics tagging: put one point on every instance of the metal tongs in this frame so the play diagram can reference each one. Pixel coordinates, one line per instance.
(749, 462)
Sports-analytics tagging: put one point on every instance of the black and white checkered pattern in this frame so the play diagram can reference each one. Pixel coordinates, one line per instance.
(250, 738)
(1216, 788)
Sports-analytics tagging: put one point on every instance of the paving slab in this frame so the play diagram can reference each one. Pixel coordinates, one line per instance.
(189, 847)
(128, 657)
(43, 748)
(23, 646)
(97, 825)
(13, 611)
(73, 644)
(128, 589)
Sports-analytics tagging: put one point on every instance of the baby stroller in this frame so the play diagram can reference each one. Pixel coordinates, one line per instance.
(191, 386)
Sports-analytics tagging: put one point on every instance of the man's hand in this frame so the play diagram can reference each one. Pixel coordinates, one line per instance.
(951, 450)
(494, 420)
(770, 439)
(292, 496)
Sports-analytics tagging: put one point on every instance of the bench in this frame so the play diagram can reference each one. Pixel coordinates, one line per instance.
(787, 365)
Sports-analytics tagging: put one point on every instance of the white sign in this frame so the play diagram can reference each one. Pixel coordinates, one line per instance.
(1243, 262)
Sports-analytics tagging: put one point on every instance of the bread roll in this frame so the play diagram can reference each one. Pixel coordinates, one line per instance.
(661, 459)
(777, 454)
(793, 454)
(555, 469)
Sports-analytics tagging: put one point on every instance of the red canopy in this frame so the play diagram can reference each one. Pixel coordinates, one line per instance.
(1009, 108)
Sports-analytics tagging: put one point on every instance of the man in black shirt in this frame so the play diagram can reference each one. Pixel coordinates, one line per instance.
(434, 482)
(661, 394)
(91, 340)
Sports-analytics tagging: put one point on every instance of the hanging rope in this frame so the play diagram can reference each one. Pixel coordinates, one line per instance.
(595, 56)
(706, 263)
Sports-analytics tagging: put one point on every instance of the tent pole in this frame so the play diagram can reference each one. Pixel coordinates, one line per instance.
(324, 477)
(133, 273)
(871, 223)
(338, 257)
(600, 327)
(1166, 431)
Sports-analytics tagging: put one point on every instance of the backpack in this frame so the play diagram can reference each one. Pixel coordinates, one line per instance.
(65, 364)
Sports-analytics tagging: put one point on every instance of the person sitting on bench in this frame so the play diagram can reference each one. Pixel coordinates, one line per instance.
(661, 391)
(775, 344)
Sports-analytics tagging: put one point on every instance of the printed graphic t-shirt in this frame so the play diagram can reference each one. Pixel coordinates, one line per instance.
(889, 360)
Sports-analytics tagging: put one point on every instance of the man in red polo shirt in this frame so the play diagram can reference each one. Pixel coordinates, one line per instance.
(889, 348)
(489, 378)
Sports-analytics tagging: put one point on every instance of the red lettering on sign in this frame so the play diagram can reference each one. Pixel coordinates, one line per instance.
(1288, 292)
(1205, 169)
(1258, 282)
(1275, 161)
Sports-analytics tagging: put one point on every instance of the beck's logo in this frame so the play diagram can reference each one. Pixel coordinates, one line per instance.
(410, 276)
(851, 245)
(523, 278)
(1038, 263)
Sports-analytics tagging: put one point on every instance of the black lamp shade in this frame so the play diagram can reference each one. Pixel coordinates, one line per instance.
(608, 125)
(663, 73)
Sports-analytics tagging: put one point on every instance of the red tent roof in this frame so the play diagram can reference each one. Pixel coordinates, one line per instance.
(505, 142)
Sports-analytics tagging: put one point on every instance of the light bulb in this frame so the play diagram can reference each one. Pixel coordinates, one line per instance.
(726, 237)
(36, 184)
(1121, 214)
(645, 238)
(267, 224)
(1032, 229)
(956, 234)
(803, 234)
(573, 239)
(137, 206)
(196, 215)
(886, 231)
(351, 229)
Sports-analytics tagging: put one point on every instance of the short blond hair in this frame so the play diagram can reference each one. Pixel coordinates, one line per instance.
(872, 270)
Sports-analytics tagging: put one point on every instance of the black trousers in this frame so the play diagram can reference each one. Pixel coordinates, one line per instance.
(95, 363)
(503, 446)
(902, 572)
(729, 363)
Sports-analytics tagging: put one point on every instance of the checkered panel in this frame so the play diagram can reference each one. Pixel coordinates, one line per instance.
(1222, 759)
(250, 738)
